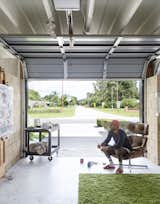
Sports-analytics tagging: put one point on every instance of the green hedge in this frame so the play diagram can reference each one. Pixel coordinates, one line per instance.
(45, 110)
(130, 102)
(106, 123)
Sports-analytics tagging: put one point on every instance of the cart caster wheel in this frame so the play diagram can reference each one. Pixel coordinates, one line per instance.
(25, 154)
(50, 158)
(31, 158)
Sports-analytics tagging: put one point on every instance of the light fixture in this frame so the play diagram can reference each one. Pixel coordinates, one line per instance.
(61, 5)
(51, 26)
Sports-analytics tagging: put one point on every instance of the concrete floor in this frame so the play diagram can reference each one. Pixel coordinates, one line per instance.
(56, 182)
(80, 146)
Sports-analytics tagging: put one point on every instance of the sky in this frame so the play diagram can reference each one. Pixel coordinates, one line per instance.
(72, 88)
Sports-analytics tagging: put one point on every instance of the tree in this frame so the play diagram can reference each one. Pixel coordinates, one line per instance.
(34, 95)
(105, 92)
(73, 100)
(52, 98)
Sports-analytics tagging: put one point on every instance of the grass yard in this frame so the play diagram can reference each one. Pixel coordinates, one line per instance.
(119, 189)
(121, 112)
(51, 112)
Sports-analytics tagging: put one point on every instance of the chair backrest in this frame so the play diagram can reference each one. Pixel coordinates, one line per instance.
(137, 141)
(140, 131)
(138, 128)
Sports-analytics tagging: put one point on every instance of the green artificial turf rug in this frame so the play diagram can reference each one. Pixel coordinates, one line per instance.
(119, 189)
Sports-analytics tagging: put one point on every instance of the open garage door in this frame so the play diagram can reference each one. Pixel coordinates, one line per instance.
(87, 58)
(90, 68)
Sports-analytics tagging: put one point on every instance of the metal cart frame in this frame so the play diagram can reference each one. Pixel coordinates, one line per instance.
(51, 148)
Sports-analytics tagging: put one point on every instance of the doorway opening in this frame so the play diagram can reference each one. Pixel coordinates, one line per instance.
(81, 108)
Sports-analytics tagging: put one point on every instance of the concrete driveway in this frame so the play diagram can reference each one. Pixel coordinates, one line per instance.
(84, 122)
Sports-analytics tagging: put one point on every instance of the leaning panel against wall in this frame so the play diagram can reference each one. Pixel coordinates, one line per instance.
(12, 140)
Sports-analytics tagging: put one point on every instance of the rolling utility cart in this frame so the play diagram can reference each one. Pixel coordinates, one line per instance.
(44, 146)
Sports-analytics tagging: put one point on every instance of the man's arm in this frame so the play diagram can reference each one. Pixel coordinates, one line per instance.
(121, 140)
(107, 140)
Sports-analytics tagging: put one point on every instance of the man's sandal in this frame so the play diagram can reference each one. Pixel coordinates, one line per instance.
(109, 166)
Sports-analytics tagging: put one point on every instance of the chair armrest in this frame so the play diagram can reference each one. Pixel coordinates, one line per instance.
(137, 148)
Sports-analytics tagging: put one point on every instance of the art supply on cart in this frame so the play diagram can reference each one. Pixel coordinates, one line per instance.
(81, 161)
(91, 163)
(37, 122)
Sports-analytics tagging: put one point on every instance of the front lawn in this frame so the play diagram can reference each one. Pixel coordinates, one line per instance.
(122, 112)
(52, 112)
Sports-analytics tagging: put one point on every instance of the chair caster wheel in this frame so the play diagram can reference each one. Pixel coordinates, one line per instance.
(31, 158)
(50, 158)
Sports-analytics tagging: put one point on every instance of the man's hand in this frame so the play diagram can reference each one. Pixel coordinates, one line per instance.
(98, 146)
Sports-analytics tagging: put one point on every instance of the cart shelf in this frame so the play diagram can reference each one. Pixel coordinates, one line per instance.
(51, 148)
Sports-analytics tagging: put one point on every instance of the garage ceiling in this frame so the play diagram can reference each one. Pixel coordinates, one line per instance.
(101, 39)
(95, 17)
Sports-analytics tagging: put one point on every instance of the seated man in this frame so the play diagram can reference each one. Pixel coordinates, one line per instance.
(121, 148)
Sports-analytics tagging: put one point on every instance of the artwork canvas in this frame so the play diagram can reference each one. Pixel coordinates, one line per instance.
(6, 111)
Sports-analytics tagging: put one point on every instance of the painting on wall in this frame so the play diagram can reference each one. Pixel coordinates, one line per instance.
(6, 111)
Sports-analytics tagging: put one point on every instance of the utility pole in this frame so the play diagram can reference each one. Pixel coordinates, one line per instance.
(62, 95)
(112, 96)
(118, 102)
(117, 91)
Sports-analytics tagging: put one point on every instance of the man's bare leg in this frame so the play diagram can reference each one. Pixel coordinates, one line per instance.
(108, 151)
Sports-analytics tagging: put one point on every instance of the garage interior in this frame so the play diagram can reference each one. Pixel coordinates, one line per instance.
(80, 40)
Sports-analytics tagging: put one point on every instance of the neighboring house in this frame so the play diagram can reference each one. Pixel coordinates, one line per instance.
(33, 104)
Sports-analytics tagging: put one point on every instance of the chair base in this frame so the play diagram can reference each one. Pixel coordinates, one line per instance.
(134, 165)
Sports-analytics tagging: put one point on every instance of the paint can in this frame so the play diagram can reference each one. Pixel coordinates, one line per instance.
(81, 161)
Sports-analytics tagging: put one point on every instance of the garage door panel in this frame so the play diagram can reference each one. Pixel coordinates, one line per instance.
(91, 68)
(45, 75)
(89, 75)
(44, 61)
(84, 61)
(124, 68)
(46, 68)
(128, 61)
(79, 68)
(121, 75)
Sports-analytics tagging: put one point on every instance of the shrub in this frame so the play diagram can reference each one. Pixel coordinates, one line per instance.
(130, 102)
(107, 122)
(45, 110)
(101, 122)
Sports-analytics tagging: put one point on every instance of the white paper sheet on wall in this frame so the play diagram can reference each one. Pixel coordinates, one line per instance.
(6, 111)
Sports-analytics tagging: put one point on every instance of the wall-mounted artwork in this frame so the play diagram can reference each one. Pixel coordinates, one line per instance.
(6, 111)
